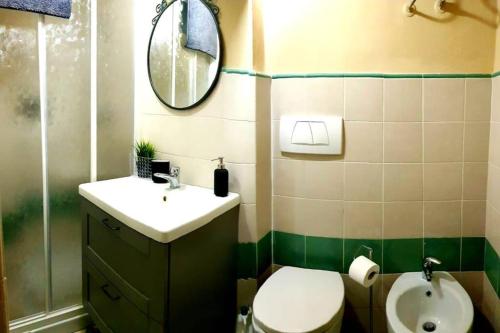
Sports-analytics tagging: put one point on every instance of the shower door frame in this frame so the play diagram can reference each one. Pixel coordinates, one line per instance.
(73, 318)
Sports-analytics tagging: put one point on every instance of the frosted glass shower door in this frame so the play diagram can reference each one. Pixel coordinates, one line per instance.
(21, 164)
(115, 88)
(39, 178)
(68, 128)
(67, 68)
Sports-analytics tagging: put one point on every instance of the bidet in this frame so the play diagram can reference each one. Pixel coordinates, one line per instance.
(415, 305)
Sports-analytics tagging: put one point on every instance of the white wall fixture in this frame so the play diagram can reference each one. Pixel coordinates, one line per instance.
(311, 135)
(439, 6)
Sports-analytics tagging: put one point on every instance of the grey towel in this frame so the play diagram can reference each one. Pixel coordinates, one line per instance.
(201, 28)
(60, 8)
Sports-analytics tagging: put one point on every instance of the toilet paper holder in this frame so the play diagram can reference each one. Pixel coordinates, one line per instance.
(358, 253)
(368, 250)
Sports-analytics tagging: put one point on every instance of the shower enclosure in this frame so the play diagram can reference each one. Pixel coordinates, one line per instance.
(66, 117)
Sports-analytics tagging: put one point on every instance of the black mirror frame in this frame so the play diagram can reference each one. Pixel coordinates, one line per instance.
(219, 66)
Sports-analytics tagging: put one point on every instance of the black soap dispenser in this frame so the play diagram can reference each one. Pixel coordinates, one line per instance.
(221, 179)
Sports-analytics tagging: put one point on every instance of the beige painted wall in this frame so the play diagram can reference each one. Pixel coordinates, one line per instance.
(236, 26)
(497, 45)
(258, 36)
(375, 36)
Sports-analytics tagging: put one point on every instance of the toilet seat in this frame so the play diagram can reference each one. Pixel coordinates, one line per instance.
(297, 300)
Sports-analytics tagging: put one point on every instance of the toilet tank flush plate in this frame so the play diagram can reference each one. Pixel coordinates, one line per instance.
(311, 135)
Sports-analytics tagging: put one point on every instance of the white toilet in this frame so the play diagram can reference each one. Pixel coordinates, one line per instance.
(297, 300)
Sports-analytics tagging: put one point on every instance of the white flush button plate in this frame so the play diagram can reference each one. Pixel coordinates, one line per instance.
(301, 134)
(311, 135)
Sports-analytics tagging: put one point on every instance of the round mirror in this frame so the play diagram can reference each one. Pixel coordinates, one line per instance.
(184, 56)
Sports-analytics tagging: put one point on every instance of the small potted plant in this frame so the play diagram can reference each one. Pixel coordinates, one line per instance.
(145, 152)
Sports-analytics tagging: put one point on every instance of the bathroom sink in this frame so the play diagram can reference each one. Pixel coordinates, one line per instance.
(154, 210)
(417, 306)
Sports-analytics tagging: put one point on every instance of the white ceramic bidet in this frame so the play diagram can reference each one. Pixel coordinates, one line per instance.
(415, 305)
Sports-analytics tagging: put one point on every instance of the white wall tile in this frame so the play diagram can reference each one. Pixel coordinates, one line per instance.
(200, 137)
(363, 141)
(323, 218)
(403, 142)
(309, 179)
(442, 181)
(443, 142)
(476, 141)
(495, 99)
(475, 181)
(309, 97)
(363, 99)
(442, 219)
(403, 100)
(444, 99)
(363, 220)
(363, 182)
(477, 99)
(403, 182)
(248, 224)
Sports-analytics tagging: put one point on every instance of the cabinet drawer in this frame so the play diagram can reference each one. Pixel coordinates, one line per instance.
(111, 305)
(105, 232)
(123, 249)
(123, 255)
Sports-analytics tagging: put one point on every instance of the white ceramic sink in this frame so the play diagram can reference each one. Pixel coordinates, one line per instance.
(412, 302)
(153, 209)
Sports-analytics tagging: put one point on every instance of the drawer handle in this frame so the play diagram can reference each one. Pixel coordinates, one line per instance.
(110, 295)
(106, 223)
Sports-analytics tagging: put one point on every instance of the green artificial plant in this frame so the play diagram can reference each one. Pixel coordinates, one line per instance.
(145, 149)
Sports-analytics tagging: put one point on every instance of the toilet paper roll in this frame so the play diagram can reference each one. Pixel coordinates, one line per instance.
(364, 271)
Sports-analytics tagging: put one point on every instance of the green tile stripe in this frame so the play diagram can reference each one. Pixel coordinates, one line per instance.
(324, 253)
(393, 255)
(403, 255)
(492, 266)
(457, 76)
(381, 76)
(363, 75)
(264, 253)
(445, 249)
(247, 260)
(289, 249)
(244, 72)
(254, 258)
(471, 247)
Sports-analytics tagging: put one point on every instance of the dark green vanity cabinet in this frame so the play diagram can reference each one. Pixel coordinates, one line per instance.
(134, 284)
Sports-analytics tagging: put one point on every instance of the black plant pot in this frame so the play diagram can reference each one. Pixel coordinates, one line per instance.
(143, 166)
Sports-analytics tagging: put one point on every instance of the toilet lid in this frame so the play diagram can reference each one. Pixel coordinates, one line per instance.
(297, 300)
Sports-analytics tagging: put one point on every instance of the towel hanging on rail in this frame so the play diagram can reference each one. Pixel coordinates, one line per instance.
(60, 8)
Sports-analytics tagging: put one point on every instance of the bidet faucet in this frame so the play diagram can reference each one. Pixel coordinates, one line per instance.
(172, 178)
(427, 267)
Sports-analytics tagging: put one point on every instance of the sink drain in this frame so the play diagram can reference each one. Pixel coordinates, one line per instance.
(429, 326)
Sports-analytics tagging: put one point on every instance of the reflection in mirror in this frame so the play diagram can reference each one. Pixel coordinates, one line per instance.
(184, 54)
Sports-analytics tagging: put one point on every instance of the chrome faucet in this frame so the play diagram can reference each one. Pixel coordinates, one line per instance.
(427, 267)
(172, 178)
